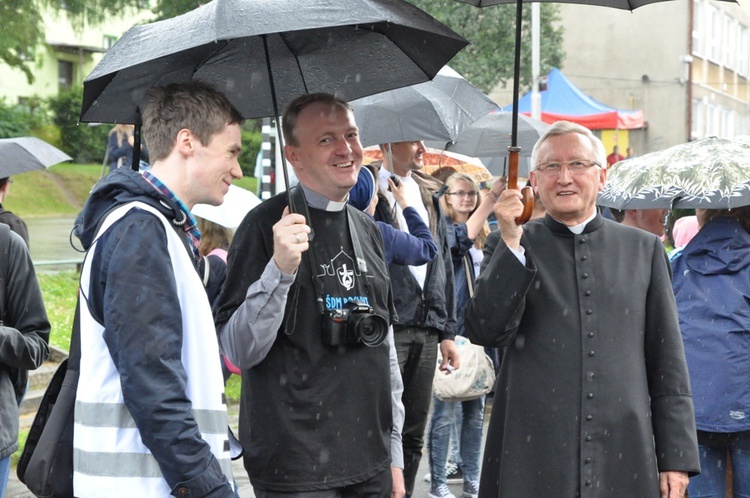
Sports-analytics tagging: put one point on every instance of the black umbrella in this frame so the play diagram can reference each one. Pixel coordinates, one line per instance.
(437, 110)
(22, 154)
(489, 138)
(263, 53)
(514, 150)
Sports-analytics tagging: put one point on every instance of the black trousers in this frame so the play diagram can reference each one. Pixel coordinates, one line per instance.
(417, 349)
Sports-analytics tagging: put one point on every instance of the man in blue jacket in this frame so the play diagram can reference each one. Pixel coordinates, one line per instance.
(150, 414)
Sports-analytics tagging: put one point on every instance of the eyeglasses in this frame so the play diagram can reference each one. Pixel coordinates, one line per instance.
(575, 166)
(461, 193)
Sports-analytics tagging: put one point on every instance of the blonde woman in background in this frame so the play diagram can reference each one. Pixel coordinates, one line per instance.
(120, 147)
(466, 218)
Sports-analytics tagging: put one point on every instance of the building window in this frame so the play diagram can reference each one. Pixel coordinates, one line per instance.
(696, 127)
(64, 75)
(108, 41)
(743, 42)
(727, 123)
(698, 28)
(712, 121)
(713, 33)
(729, 53)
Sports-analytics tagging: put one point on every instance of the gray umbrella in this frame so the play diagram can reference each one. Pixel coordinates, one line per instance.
(712, 173)
(23, 154)
(263, 53)
(435, 110)
(490, 137)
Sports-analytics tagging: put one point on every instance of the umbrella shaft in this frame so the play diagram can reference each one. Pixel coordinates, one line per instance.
(516, 73)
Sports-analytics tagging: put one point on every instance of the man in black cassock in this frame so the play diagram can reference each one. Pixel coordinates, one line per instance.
(593, 397)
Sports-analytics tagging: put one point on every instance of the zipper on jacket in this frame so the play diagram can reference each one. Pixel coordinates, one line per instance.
(423, 321)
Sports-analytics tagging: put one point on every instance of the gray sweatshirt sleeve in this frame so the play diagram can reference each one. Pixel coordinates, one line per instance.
(398, 413)
(250, 332)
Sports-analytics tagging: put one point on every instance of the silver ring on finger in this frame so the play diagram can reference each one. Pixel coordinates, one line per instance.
(296, 236)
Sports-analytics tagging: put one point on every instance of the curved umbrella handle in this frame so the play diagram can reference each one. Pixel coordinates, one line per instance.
(526, 192)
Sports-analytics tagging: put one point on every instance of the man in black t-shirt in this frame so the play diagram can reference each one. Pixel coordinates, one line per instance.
(315, 417)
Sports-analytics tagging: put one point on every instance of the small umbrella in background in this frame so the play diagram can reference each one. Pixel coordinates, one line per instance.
(435, 159)
(237, 203)
(712, 173)
(490, 137)
(23, 154)
(435, 110)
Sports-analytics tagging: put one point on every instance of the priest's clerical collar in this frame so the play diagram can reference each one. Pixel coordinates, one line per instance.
(578, 229)
(317, 201)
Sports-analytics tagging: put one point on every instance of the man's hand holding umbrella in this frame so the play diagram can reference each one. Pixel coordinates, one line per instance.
(290, 240)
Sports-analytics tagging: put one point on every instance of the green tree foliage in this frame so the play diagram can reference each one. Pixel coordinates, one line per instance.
(20, 34)
(23, 26)
(491, 32)
(165, 9)
(85, 144)
(25, 119)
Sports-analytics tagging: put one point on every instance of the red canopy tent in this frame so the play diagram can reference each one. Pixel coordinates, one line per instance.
(562, 100)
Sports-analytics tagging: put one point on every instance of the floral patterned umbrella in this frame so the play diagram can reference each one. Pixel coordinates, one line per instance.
(712, 173)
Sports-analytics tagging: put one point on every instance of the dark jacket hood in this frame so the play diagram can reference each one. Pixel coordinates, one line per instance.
(720, 247)
(119, 187)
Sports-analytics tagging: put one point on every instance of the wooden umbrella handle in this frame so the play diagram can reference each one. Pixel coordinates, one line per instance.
(526, 192)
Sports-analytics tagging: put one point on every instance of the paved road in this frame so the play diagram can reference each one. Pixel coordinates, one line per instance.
(49, 238)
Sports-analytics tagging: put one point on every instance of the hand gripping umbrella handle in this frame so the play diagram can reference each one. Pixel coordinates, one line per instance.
(526, 192)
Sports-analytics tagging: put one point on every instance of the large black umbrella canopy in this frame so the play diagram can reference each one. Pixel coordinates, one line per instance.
(263, 53)
(22, 154)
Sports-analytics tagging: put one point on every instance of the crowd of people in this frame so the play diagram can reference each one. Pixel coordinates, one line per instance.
(334, 311)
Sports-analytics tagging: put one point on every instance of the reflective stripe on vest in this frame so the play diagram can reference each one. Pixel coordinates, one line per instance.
(109, 456)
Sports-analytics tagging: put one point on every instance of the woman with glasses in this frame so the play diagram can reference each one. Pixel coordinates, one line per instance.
(467, 212)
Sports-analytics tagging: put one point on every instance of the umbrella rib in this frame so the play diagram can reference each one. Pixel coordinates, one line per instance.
(296, 60)
(221, 44)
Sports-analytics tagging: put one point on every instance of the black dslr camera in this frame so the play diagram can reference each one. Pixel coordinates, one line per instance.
(355, 324)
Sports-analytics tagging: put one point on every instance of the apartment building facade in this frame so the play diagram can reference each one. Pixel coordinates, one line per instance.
(685, 63)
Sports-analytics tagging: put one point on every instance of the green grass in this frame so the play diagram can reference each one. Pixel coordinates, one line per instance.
(232, 389)
(59, 292)
(22, 435)
(62, 189)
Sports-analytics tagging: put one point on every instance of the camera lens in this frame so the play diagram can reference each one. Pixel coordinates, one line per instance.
(372, 329)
